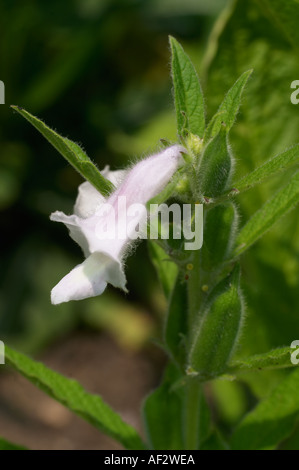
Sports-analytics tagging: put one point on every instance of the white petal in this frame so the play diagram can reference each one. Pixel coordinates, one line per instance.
(74, 224)
(149, 176)
(87, 233)
(116, 177)
(88, 200)
(89, 279)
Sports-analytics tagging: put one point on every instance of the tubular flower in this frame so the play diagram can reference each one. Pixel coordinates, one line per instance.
(105, 227)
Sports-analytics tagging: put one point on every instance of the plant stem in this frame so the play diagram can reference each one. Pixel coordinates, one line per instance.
(192, 402)
(192, 415)
(194, 290)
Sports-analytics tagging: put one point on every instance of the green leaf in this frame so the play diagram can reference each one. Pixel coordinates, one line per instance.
(162, 414)
(276, 359)
(215, 166)
(189, 101)
(5, 445)
(227, 113)
(176, 322)
(167, 270)
(72, 152)
(267, 126)
(268, 123)
(213, 124)
(72, 395)
(272, 420)
(270, 168)
(282, 202)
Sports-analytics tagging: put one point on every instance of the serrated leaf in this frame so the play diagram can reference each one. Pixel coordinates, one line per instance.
(227, 113)
(5, 445)
(189, 101)
(72, 395)
(273, 166)
(272, 420)
(276, 359)
(282, 202)
(72, 152)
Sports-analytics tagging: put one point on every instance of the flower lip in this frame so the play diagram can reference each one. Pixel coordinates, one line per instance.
(89, 279)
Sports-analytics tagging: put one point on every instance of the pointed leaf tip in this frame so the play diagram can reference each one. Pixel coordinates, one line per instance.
(71, 151)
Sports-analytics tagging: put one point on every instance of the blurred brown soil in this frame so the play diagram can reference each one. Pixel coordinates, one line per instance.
(29, 417)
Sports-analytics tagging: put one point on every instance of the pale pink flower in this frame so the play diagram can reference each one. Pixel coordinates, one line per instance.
(92, 213)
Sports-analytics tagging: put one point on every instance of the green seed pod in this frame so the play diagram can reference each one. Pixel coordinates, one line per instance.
(218, 330)
(215, 168)
(220, 226)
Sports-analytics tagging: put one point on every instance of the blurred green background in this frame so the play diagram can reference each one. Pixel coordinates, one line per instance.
(98, 72)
